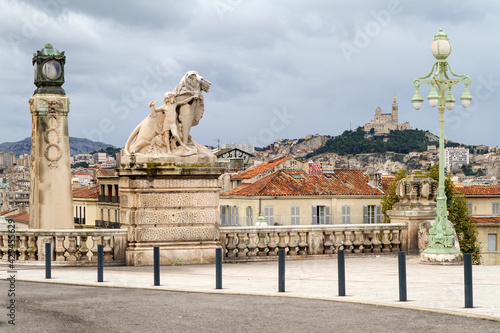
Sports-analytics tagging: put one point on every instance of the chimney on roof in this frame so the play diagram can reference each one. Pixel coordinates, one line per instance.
(375, 178)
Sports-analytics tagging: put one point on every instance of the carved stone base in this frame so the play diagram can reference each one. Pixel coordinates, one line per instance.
(413, 218)
(174, 206)
(441, 258)
(141, 254)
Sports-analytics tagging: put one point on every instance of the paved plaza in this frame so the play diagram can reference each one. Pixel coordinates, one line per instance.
(369, 280)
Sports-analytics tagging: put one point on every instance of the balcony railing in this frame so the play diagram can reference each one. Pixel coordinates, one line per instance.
(254, 243)
(107, 198)
(107, 224)
(69, 247)
(79, 220)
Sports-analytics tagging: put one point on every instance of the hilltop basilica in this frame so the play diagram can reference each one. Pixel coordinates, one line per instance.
(385, 122)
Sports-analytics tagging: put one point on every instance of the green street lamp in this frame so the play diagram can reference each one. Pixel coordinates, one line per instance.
(441, 78)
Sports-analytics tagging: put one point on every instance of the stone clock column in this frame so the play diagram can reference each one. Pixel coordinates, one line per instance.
(51, 201)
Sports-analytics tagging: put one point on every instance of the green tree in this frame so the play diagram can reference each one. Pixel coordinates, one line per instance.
(458, 213)
(390, 197)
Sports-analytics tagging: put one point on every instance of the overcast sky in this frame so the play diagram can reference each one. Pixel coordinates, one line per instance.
(279, 69)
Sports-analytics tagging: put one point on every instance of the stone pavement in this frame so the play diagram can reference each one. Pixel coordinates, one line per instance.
(369, 280)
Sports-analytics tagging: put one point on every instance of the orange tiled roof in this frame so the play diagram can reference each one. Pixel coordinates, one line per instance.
(486, 219)
(25, 217)
(7, 211)
(86, 192)
(106, 173)
(295, 183)
(479, 190)
(264, 166)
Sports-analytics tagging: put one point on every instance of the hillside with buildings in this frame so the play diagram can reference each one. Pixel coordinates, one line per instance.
(77, 146)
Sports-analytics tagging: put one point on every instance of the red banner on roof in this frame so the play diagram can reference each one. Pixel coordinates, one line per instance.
(315, 169)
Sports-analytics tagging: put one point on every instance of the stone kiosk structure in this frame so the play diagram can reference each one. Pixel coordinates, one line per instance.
(416, 206)
(50, 192)
(169, 191)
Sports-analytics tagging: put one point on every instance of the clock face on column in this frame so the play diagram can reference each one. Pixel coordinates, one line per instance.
(51, 69)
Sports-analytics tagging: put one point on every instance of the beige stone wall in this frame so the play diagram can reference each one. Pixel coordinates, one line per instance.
(489, 257)
(282, 207)
(91, 210)
(482, 206)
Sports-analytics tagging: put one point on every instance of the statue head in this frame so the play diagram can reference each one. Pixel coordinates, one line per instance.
(169, 98)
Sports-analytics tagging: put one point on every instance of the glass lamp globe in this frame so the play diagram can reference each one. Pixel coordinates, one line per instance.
(441, 46)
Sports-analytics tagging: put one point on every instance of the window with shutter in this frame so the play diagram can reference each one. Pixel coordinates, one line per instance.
(295, 215)
(492, 242)
(346, 214)
(469, 207)
(269, 214)
(495, 208)
(249, 216)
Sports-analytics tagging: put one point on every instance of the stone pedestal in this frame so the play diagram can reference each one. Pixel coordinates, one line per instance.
(416, 206)
(413, 218)
(51, 200)
(172, 205)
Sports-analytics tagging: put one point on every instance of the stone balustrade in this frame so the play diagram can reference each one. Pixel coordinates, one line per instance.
(69, 247)
(251, 243)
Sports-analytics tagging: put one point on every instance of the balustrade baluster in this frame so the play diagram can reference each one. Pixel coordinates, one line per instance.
(376, 242)
(59, 250)
(348, 242)
(32, 250)
(107, 249)
(292, 244)
(327, 245)
(339, 237)
(71, 248)
(84, 249)
(230, 245)
(95, 242)
(282, 243)
(302, 243)
(252, 244)
(367, 243)
(358, 241)
(395, 240)
(261, 245)
(22, 248)
(385, 241)
(272, 244)
(242, 246)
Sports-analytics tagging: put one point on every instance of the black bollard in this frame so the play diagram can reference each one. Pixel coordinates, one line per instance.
(48, 257)
(468, 280)
(281, 283)
(402, 276)
(100, 263)
(341, 266)
(218, 268)
(156, 259)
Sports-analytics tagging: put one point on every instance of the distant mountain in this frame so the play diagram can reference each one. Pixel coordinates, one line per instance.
(76, 145)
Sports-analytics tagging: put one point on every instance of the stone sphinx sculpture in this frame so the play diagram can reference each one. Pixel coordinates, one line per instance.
(165, 131)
